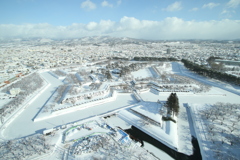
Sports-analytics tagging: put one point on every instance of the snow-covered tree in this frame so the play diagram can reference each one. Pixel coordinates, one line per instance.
(172, 104)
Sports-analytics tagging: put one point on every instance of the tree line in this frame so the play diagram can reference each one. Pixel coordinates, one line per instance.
(154, 59)
(25, 148)
(199, 69)
(28, 85)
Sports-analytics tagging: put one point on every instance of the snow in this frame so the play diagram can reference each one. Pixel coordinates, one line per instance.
(184, 128)
(4, 99)
(142, 73)
(185, 132)
(150, 110)
(209, 149)
(167, 135)
(166, 67)
(157, 152)
(181, 70)
(116, 121)
(85, 129)
(24, 124)
(175, 135)
(183, 97)
(98, 141)
(57, 76)
(65, 109)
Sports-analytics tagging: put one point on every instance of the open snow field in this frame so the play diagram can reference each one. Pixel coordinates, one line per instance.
(165, 67)
(221, 96)
(142, 73)
(184, 132)
(116, 121)
(150, 110)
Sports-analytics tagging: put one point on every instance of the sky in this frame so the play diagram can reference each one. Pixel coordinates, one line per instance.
(145, 19)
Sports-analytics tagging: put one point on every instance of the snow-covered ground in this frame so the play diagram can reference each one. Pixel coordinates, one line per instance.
(225, 96)
(184, 132)
(150, 110)
(24, 124)
(175, 135)
(167, 135)
(157, 152)
(142, 73)
(165, 67)
(222, 140)
(116, 121)
(61, 109)
(4, 99)
(181, 70)
(96, 137)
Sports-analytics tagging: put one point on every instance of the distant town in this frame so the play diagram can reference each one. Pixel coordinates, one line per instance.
(21, 57)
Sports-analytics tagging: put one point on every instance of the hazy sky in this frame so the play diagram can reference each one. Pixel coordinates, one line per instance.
(149, 19)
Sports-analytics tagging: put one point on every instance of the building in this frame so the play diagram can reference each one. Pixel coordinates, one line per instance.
(168, 51)
(15, 91)
(94, 79)
(116, 71)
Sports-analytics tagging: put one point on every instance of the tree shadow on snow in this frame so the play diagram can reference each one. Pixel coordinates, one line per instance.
(40, 131)
(151, 107)
(175, 67)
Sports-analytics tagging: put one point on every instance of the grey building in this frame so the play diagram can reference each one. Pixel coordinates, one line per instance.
(168, 51)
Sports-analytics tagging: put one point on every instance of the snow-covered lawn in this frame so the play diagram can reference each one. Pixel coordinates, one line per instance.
(142, 73)
(202, 98)
(184, 134)
(165, 67)
(150, 110)
(116, 121)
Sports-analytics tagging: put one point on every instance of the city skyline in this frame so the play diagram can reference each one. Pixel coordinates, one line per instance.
(120, 18)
